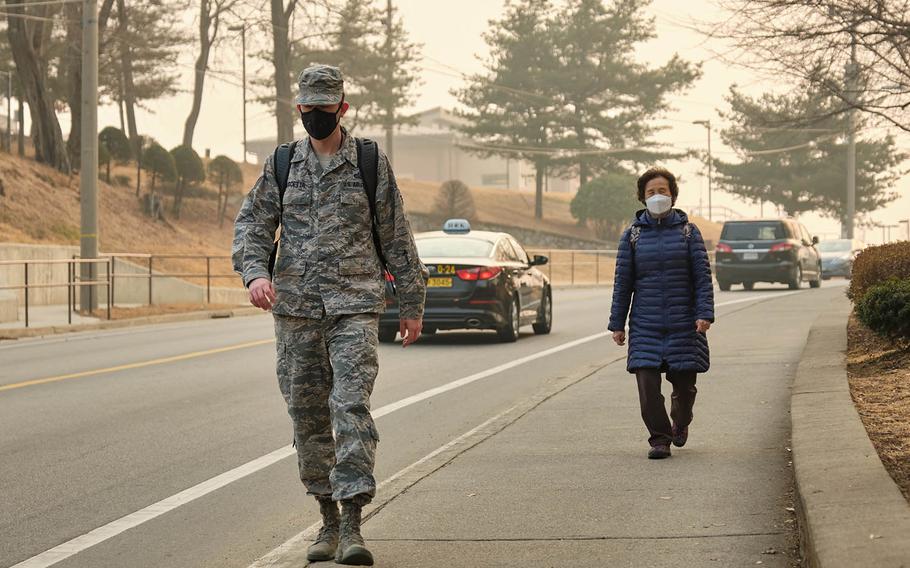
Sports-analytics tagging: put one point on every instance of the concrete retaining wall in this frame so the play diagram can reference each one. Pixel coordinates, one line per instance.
(9, 307)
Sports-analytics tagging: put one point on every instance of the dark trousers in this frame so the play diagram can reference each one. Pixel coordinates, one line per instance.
(653, 409)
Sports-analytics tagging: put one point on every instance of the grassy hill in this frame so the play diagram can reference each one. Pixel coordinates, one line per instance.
(42, 206)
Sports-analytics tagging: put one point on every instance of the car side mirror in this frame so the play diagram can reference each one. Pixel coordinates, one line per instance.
(814, 240)
(539, 260)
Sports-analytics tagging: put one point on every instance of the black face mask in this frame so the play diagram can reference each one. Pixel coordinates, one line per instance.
(320, 124)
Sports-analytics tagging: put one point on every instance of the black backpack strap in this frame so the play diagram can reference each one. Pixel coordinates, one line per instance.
(368, 164)
(281, 163)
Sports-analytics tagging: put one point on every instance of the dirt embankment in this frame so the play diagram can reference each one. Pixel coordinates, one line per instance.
(42, 206)
(879, 375)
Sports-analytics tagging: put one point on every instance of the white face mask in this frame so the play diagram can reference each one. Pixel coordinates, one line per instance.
(659, 204)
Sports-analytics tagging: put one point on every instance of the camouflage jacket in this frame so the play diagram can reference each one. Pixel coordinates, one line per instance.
(327, 263)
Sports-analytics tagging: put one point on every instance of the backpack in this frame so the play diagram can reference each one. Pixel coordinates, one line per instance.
(367, 163)
(635, 233)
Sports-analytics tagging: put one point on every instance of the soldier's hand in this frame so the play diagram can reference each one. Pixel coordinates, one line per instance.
(619, 337)
(410, 331)
(262, 293)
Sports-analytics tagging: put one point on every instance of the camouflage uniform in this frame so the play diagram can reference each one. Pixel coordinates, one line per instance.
(330, 290)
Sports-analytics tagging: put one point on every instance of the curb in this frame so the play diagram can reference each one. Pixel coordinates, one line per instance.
(23, 333)
(851, 512)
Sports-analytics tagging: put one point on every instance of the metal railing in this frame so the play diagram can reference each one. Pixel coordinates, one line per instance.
(72, 284)
(578, 266)
(108, 280)
(150, 274)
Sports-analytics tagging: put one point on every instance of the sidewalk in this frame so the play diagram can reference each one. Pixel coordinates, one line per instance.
(568, 484)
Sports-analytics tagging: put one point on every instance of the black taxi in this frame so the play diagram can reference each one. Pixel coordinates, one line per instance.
(478, 280)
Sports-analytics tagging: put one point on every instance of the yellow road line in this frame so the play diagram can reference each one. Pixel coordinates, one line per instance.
(141, 364)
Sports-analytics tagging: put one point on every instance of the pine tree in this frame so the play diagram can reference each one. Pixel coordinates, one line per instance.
(801, 168)
(611, 99)
(514, 108)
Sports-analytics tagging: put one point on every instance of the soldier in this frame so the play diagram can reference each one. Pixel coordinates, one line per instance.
(328, 291)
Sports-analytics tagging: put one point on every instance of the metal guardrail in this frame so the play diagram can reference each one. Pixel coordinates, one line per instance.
(75, 282)
(72, 283)
(151, 274)
(578, 266)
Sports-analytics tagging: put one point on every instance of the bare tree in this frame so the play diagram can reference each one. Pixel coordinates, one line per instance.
(856, 50)
(281, 56)
(211, 14)
(28, 33)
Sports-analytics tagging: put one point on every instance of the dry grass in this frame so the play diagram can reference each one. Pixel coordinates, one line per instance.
(879, 376)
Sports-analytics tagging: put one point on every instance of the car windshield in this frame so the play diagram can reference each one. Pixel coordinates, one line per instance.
(770, 231)
(453, 246)
(840, 245)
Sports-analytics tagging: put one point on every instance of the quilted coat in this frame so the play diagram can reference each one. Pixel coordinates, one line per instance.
(665, 276)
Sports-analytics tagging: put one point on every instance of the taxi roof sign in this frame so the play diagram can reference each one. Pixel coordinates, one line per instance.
(457, 227)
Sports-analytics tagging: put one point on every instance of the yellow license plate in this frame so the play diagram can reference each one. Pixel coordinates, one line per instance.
(439, 283)
(445, 269)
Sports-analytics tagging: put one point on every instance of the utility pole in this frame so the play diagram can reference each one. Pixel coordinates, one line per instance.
(390, 110)
(707, 124)
(907, 222)
(242, 30)
(851, 77)
(88, 180)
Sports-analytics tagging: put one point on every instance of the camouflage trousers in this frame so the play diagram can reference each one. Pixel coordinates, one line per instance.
(326, 371)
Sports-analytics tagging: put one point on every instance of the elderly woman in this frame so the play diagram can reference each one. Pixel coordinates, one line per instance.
(663, 272)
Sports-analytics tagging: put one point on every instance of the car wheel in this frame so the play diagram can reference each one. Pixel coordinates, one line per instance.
(724, 286)
(387, 334)
(826, 278)
(509, 332)
(797, 281)
(544, 322)
(748, 286)
(817, 283)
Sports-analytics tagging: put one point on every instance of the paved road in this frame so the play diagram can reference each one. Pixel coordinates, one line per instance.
(130, 418)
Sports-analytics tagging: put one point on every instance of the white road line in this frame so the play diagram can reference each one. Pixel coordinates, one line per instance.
(118, 526)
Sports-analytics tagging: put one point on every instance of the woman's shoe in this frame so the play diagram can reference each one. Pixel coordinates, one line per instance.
(659, 452)
(680, 435)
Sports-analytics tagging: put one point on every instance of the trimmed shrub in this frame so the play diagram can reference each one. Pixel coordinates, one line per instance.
(875, 265)
(885, 308)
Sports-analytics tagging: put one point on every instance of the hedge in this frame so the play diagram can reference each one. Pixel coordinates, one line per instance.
(875, 265)
(885, 308)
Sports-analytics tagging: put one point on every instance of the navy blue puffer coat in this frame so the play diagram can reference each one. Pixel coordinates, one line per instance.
(666, 277)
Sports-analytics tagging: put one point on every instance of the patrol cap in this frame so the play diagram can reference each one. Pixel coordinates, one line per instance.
(320, 85)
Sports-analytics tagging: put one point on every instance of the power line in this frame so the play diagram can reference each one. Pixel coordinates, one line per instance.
(39, 3)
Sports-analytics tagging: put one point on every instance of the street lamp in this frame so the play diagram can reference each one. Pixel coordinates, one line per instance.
(707, 124)
(242, 30)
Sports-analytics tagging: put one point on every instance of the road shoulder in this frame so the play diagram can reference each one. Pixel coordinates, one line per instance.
(851, 511)
(45, 331)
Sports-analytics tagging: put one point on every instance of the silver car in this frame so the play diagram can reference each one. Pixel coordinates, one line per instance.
(838, 255)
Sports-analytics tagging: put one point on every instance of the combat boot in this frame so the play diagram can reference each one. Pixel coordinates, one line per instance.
(327, 542)
(351, 549)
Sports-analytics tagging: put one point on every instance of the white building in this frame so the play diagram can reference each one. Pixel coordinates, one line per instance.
(432, 150)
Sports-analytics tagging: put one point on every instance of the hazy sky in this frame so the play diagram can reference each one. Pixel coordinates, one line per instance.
(451, 34)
